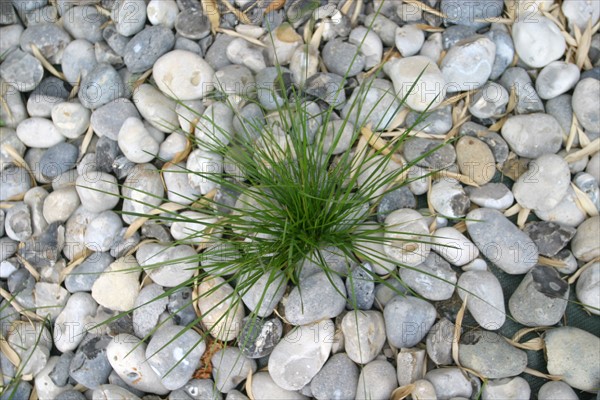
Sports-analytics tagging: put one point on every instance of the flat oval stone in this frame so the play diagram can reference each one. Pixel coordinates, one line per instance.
(584, 245)
(39, 133)
(98, 192)
(264, 294)
(468, 64)
(377, 380)
(337, 379)
(434, 279)
(485, 298)
(404, 237)
(22, 70)
(556, 78)
(192, 24)
(364, 335)
(71, 119)
(588, 288)
(118, 287)
(183, 75)
(221, 308)
(339, 58)
(230, 368)
(58, 159)
(146, 47)
(167, 264)
(100, 86)
(538, 41)
(532, 135)
(129, 16)
(83, 276)
(450, 381)
(543, 186)
(584, 109)
(136, 143)
(407, 320)
(429, 153)
(573, 354)
(142, 191)
(84, 22)
(49, 38)
(304, 351)
(475, 160)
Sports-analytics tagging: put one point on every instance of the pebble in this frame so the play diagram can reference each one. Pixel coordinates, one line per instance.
(407, 320)
(556, 390)
(383, 27)
(395, 200)
(556, 78)
(108, 119)
(588, 185)
(49, 38)
(364, 335)
(167, 265)
(501, 242)
(360, 287)
(58, 159)
(338, 379)
(113, 392)
(464, 12)
(239, 51)
(263, 387)
(318, 296)
(538, 42)
(468, 64)
(98, 192)
(178, 185)
(29, 130)
(192, 24)
(434, 279)
(162, 13)
(127, 356)
(508, 388)
(32, 343)
(22, 70)
(149, 305)
(532, 135)
(579, 14)
(450, 383)
(370, 45)
(540, 299)
(431, 88)
(136, 143)
(585, 247)
(15, 181)
(259, 337)
(448, 198)
(549, 237)
(215, 126)
(301, 354)
(174, 354)
(70, 119)
(528, 100)
(491, 195)
(146, 47)
(84, 22)
(439, 342)
(486, 300)
(543, 186)
(405, 230)
(230, 368)
(192, 227)
(409, 39)
(505, 50)
(263, 295)
(45, 387)
(82, 278)
(437, 156)
(79, 59)
(490, 101)
(339, 58)
(183, 75)
(567, 212)
(129, 16)
(17, 222)
(202, 166)
(71, 395)
(587, 289)
(118, 287)
(587, 115)
(90, 367)
(69, 327)
(50, 298)
(376, 381)
(221, 308)
(438, 122)
(100, 86)
(142, 191)
(574, 353)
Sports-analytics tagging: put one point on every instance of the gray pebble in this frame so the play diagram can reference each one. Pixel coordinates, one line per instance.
(192, 25)
(18, 222)
(505, 51)
(528, 100)
(115, 40)
(560, 108)
(18, 389)
(464, 12)
(58, 159)
(439, 342)
(230, 368)
(486, 300)
(468, 64)
(316, 299)
(129, 16)
(22, 70)
(556, 390)
(104, 54)
(364, 335)
(408, 320)
(60, 373)
(146, 47)
(49, 38)
(549, 237)
(489, 102)
(434, 154)
(339, 58)
(508, 388)
(8, 248)
(259, 337)
(587, 114)
(82, 278)
(438, 121)
(491, 355)
(180, 306)
(264, 293)
(337, 379)
(379, 105)
(149, 305)
(15, 181)
(90, 366)
(533, 135)
(70, 395)
(101, 85)
(360, 287)
(108, 119)
(434, 279)
(50, 92)
(455, 33)
(377, 380)
(491, 195)
(84, 22)
(587, 289)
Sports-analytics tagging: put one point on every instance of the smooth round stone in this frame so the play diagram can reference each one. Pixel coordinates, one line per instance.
(84, 22)
(108, 119)
(538, 41)
(49, 38)
(192, 24)
(100, 86)
(15, 181)
(468, 64)
(235, 79)
(174, 354)
(44, 382)
(430, 89)
(556, 390)
(377, 380)
(193, 227)
(221, 308)
(561, 108)
(407, 320)
(364, 335)
(146, 47)
(371, 246)
(438, 121)
(90, 366)
(189, 111)
(528, 100)
(82, 278)
(540, 299)
(204, 167)
(118, 287)
(142, 191)
(18, 222)
(162, 12)
(22, 70)
(404, 232)
(370, 45)
(588, 185)
(102, 230)
(434, 279)
(439, 342)
(317, 297)
(78, 60)
(567, 212)
(178, 185)
(339, 58)
(58, 159)
(259, 337)
(337, 379)
(491, 195)
(448, 198)
(489, 102)
(71, 395)
(588, 288)
(587, 115)
(10, 36)
(262, 296)
(395, 200)
(437, 156)
(465, 12)
(475, 159)
(584, 245)
(549, 237)
(167, 265)
(112, 392)
(450, 382)
(573, 354)
(581, 13)
(593, 167)
(505, 51)
(508, 388)
(454, 246)
(69, 327)
(433, 47)
(156, 108)
(409, 39)
(543, 186)
(39, 133)
(173, 144)
(485, 298)
(98, 192)
(501, 242)
(556, 78)
(384, 27)
(136, 143)
(304, 351)
(230, 368)
(183, 75)
(50, 298)
(60, 205)
(127, 356)
(129, 16)
(263, 387)
(239, 51)
(532, 135)
(70, 119)
(75, 230)
(379, 105)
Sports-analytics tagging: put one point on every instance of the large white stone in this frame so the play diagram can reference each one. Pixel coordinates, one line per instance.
(538, 41)
(183, 75)
(118, 286)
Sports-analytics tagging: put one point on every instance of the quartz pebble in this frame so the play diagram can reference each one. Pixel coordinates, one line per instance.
(587, 288)
(507, 388)
(486, 300)
(118, 287)
(183, 75)
(548, 44)
(377, 380)
(319, 296)
(337, 379)
(364, 335)
(468, 64)
(555, 79)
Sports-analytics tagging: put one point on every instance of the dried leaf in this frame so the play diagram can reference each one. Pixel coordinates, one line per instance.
(402, 392)
(458, 329)
(573, 278)
(459, 177)
(378, 144)
(87, 139)
(514, 210)
(585, 202)
(240, 15)
(18, 307)
(591, 148)
(239, 35)
(249, 385)
(274, 5)
(522, 217)
(583, 47)
(29, 267)
(551, 262)
(425, 8)
(38, 54)
(9, 352)
(211, 10)
(542, 375)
